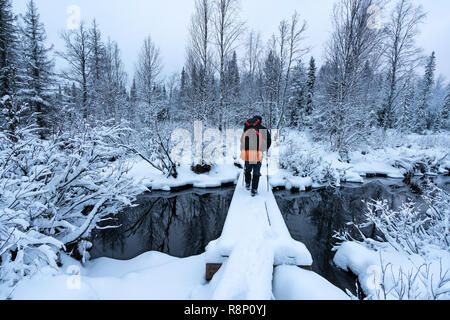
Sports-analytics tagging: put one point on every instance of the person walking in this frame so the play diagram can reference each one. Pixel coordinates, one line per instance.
(255, 140)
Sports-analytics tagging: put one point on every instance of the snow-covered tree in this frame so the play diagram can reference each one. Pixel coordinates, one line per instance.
(8, 49)
(445, 120)
(401, 54)
(352, 43)
(251, 68)
(233, 92)
(227, 30)
(37, 68)
(298, 106)
(97, 69)
(425, 95)
(290, 49)
(270, 87)
(148, 70)
(200, 58)
(133, 103)
(406, 118)
(114, 91)
(311, 84)
(77, 54)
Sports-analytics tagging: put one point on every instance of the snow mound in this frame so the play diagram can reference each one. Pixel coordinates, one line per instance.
(293, 283)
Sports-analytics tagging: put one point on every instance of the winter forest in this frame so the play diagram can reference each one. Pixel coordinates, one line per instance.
(81, 140)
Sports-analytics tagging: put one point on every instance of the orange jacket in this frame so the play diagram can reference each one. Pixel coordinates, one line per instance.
(256, 143)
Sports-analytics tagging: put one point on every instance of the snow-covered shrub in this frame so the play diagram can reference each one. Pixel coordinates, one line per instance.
(412, 247)
(154, 144)
(409, 230)
(304, 158)
(299, 161)
(53, 193)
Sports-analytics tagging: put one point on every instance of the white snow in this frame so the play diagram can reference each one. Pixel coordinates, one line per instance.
(155, 180)
(293, 283)
(316, 164)
(151, 276)
(377, 263)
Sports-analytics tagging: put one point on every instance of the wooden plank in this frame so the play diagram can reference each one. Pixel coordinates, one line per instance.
(213, 268)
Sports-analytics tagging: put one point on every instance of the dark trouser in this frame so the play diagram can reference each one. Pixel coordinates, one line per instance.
(256, 168)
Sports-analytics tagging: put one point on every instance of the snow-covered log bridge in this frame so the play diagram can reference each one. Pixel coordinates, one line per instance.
(255, 238)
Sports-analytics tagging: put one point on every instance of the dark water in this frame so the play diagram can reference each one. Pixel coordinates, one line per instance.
(179, 224)
(182, 224)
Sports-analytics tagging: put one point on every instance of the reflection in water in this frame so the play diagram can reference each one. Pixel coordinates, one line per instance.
(313, 218)
(179, 224)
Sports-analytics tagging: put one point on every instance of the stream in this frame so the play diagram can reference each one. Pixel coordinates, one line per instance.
(182, 224)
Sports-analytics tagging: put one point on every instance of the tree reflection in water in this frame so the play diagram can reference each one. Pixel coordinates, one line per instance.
(179, 224)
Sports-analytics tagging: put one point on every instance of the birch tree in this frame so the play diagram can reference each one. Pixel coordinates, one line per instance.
(148, 70)
(227, 30)
(291, 51)
(402, 54)
(200, 54)
(353, 42)
(77, 55)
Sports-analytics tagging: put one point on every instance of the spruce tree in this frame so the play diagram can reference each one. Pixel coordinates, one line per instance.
(299, 97)
(8, 49)
(446, 110)
(97, 69)
(427, 85)
(132, 102)
(405, 118)
(311, 83)
(37, 68)
(232, 92)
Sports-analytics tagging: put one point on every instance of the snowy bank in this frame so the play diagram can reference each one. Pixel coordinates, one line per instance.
(151, 276)
(254, 240)
(385, 273)
(305, 163)
(220, 174)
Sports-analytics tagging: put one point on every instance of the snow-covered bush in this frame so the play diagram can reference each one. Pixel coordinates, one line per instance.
(412, 247)
(408, 229)
(301, 162)
(154, 144)
(53, 193)
(304, 158)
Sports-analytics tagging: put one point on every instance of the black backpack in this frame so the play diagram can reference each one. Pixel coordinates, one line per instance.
(254, 125)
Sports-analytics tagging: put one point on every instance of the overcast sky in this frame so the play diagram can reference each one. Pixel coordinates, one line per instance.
(129, 21)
